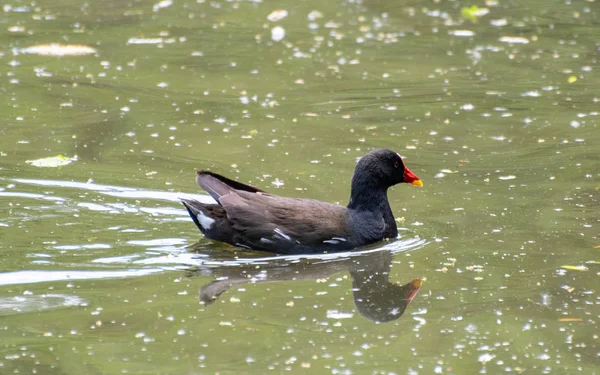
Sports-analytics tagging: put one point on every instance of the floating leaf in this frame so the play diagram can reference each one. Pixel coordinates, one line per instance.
(570, 320)
(52, 161)
(473, 13)
(574, 268)
(572, 79)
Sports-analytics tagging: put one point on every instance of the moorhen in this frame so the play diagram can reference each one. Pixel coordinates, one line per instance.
(250, 218)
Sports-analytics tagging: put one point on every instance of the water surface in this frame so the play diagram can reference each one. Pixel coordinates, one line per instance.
(104, 273)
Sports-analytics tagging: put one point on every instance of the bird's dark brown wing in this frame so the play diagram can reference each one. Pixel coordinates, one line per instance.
(264, 221)
(217, 185)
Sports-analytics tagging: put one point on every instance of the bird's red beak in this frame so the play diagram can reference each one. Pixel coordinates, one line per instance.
(411, 178)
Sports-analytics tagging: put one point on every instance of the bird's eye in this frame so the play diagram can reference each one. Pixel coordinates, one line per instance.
(396, 164)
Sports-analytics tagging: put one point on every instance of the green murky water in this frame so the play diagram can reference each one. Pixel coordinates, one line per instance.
(103, 272)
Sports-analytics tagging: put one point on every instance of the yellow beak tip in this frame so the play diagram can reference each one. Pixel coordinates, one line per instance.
(417, 183)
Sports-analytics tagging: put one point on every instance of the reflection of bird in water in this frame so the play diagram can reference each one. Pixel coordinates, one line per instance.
(375, 297)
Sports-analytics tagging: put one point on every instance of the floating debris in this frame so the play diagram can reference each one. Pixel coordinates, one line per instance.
(533, 94)
(473, 13)
(277, 33)
(505, 178)
(16, 29)
(161, 5)
(52, 161)
(514, 40)
(277, 15)
(55, 49)
(462, 33)
(335, 314)
(499, 22)
(135, 40)
(314, 15)
(574, 268)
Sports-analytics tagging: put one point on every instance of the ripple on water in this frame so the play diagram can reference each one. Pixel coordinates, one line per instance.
(32, 303)
(38, 276)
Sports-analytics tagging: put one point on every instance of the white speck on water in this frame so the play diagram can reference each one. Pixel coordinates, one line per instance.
(471, 328)
(162, 85)
(484, 358)
(467, 107)
(277, 182)
(575, 124)
(250, 359)
(55, 49)
(462, 33)
(181, 332)
(136, 40)
(533, 94)
(277, 15)
(220, 120)
(499, 23)
(162, 4)
(277, 33)
(509, 177)
(335, 314)
(514, 40)
(314, 15)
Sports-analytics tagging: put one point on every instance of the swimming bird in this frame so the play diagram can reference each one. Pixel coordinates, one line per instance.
(251, 218)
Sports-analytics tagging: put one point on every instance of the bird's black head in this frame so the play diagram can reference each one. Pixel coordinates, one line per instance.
(384, 168)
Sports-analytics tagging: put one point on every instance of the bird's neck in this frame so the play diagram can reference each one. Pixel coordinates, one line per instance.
(366, 197)
(369, 198)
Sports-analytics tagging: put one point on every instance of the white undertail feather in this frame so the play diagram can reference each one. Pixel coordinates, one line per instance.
(205, 221)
